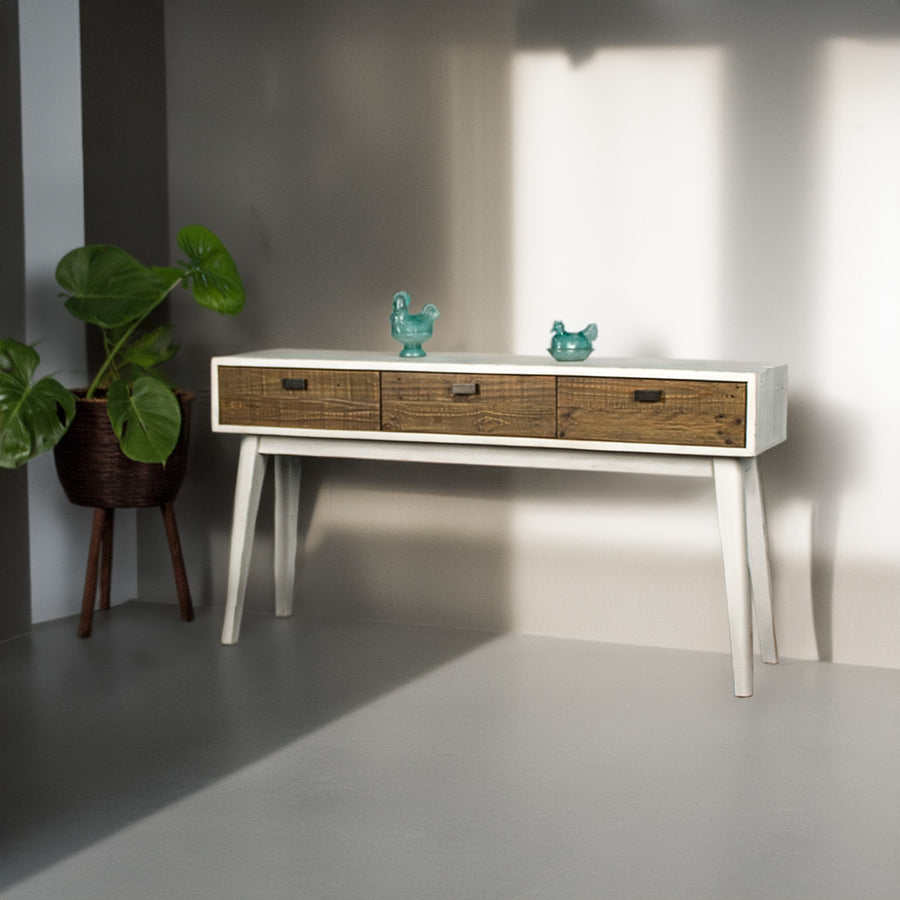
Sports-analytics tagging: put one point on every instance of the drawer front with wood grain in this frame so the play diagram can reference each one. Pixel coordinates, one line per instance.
(299, 398)
(653, 411)
(469, 404)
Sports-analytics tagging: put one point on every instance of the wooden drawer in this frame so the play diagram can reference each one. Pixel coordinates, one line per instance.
(438, 403)
(299, 398)
(653, 411)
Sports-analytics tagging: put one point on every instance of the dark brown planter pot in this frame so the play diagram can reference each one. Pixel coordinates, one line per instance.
(94, 471)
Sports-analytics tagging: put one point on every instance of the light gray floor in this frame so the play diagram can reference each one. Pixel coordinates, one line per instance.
(321, 759)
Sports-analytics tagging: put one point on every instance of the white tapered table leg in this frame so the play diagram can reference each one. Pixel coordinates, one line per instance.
(731, 505)
(250, 474)
(758, 556)
(287, 502)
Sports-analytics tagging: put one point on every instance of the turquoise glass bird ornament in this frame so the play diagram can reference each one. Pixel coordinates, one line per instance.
(572, 346)
(411, 329)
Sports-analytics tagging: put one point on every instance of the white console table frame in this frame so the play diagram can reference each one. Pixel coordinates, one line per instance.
(739, 497)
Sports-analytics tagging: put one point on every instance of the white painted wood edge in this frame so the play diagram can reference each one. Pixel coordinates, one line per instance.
(703, 370)
(524, 457)
(766, 423)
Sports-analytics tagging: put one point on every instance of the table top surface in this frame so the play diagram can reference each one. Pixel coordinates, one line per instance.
(496, 362)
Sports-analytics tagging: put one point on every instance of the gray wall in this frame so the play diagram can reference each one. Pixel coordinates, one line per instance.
(349, 149)
(124, 124)
(125, 180)
(15, 605)
(343, 151)
(52, 185)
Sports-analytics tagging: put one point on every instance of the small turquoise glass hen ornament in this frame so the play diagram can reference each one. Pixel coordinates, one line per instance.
(572, 346)
(411, 329)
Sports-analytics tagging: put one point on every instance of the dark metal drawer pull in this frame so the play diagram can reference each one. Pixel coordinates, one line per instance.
(647, 396)
(293, 384)
(459, 390)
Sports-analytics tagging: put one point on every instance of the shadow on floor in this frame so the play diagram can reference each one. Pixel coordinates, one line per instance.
(99, 733)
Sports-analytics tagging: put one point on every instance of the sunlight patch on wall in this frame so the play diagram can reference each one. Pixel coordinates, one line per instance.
(617, 170)
(859, 277)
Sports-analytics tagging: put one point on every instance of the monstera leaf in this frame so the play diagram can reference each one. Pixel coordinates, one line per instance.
(211, 274)
(145, 352)
(108, 287)
(146, 418)
(33, 417)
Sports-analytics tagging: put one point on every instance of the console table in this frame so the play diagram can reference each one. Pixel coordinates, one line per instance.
(692, 418)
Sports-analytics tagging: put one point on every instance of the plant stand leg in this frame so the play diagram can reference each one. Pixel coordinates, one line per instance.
(90, 578)
(106, 555)
(181, 582)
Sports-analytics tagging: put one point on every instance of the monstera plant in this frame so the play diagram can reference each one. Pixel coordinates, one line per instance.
(106, 287)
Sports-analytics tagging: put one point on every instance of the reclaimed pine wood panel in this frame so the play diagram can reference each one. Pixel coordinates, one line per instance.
(690, 413)
(439, 403)
(331, 399)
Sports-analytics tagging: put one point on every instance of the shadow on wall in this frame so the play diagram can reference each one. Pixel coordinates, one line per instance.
(815, 466)
(407, 542)
(367, 153)
(367, 148)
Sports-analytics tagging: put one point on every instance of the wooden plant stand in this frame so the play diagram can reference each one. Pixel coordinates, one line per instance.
(100, 560)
